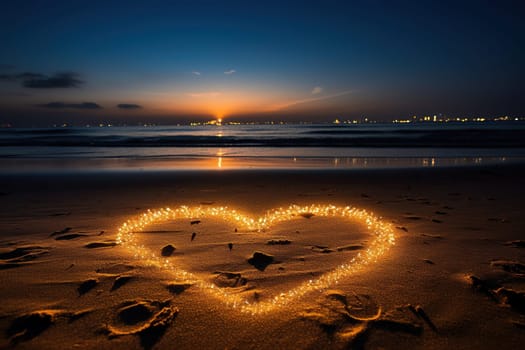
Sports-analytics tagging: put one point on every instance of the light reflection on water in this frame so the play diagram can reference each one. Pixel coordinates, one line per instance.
(222, 162)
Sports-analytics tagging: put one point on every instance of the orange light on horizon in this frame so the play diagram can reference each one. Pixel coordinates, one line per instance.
(216, 104)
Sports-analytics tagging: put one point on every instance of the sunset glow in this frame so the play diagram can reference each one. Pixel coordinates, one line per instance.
(242, 61)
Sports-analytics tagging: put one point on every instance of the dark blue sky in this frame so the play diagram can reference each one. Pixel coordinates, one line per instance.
(178, 60)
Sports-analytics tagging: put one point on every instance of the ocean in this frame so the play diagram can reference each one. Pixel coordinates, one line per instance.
(294, 146)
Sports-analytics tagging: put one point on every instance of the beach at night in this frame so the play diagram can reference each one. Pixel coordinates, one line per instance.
(275, 175)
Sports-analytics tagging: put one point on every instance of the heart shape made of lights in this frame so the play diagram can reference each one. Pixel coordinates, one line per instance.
(382, 232)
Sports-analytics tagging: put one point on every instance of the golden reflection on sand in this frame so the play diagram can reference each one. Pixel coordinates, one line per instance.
(382, 232)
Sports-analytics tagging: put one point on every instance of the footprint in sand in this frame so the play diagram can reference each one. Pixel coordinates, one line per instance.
(30, 325)
(147, 319)
(496, 287)
(350, 318)
(20, 256)
(229, 279)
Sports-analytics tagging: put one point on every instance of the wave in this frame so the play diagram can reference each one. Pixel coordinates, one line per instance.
(482, 141)
(287, 136)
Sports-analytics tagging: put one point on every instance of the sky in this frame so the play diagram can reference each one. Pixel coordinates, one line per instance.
(176, 61)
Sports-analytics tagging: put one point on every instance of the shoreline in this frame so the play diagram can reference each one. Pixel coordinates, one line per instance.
(235, 163)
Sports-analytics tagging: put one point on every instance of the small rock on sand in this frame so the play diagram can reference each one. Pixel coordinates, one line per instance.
(86, 286)
(167, 250)
(177, 288)
(278, 242)
(120, 281)
(350, 247)
(69, 236)
(61, 232)
(431, 236)
(260, 260)
(421, 313)
(95, 245)
(322, 249)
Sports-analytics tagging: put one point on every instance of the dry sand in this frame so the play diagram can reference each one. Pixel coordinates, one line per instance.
(454, 278)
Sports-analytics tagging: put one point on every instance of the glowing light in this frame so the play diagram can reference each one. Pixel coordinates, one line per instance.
(382, 231)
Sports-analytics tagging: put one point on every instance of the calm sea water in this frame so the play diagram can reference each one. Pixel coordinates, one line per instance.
(261, 146)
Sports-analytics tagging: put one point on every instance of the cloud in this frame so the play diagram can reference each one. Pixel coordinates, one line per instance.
(129, 106)
(229, 72)
(59, 80)
(63, 105)
(203, 94)
(29, 76)
(41, 81)
(20, 76)
(196, 72)
(317, 90)
(281, 106)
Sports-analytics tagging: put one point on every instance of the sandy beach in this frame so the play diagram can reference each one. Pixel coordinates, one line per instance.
(452, 279)
(262, 175)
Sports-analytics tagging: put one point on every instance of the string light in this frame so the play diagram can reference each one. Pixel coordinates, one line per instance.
(382, 232)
